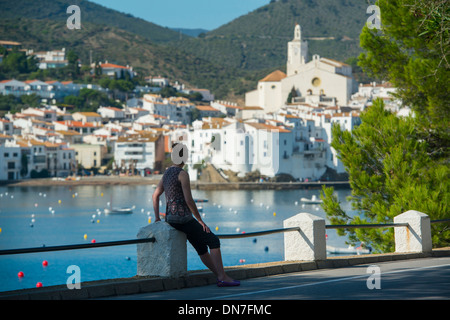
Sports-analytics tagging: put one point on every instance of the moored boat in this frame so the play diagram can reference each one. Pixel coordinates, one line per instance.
(115, 210)
(313, 200)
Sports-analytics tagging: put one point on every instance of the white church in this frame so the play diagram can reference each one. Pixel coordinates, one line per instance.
(319, 81)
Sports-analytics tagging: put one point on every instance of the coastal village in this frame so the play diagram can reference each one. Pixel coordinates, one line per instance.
(283, 131)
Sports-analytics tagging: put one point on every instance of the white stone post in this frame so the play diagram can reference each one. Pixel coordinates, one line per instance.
(308, 243)
(417, 236)
(167, 256)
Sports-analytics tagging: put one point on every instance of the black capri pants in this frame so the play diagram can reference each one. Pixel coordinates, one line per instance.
(197, 237)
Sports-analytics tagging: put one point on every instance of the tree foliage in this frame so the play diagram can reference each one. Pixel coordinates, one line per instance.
(396, 164)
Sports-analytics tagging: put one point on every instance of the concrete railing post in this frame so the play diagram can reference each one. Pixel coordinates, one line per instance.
(309, 242)
(167, 256)
(417, 236)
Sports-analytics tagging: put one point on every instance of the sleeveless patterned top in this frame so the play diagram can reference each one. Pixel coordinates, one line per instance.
(177, 210)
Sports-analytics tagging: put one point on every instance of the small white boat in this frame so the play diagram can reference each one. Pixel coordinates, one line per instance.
(349, 250)
(115, 210)
(313, 200)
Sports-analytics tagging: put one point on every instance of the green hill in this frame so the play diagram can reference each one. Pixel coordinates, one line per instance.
(90, 13)
(228, 60)
(121, 47)
(259, 39)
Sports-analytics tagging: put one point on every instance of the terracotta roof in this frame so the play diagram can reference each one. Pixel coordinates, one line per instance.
(263, 126)
(89, 114)
(206, 108)
(70, 123)
(252, 108)
(277, 75)
(111, 65)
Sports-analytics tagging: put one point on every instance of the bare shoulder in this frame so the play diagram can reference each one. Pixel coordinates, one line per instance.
(183, 176)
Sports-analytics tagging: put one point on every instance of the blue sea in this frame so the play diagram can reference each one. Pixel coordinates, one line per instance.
(55, 215)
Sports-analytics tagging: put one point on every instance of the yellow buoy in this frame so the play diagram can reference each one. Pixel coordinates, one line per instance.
(217, 228)
(98, 221)
(0, 230)
(85, 236)
(149, 220)
(59, 201)
(274, 214)
(101, 194)
(73, 196)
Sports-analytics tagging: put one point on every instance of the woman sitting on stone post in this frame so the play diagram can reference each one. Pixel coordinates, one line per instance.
(181, 210)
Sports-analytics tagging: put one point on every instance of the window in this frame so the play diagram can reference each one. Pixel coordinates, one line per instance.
(15, 154)
(6, 155)
(11, 165)
(316, 82)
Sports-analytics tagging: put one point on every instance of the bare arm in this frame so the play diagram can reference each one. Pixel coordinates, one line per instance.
(186, 186)
(156, 194)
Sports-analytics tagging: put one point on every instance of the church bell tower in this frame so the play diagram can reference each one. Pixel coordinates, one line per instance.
(297, 52)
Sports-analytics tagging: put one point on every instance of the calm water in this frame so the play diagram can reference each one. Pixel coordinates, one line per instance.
(64, 215)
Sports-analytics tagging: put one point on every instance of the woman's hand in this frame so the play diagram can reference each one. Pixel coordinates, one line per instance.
(205, 227)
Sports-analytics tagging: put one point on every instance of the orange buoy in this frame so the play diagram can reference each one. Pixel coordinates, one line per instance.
(45, 263)
(39, 285)
(20, 274)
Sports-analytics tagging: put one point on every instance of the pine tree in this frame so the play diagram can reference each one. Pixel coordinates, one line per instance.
(396, 164)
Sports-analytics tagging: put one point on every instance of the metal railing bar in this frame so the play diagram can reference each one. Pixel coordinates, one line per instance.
(373, 225)
(76, 246)
(257, 233)
(223, 236)
(440, 221)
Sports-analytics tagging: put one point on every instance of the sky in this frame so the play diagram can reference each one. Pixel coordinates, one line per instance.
(192, 14)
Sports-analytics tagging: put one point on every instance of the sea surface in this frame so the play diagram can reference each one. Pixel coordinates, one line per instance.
(55, 215)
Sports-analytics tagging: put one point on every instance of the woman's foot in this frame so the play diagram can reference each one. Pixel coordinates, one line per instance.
(233, 283)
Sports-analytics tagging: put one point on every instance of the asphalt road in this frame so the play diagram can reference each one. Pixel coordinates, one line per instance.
(427, 278)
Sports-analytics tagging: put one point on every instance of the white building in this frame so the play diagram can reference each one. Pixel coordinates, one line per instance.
(89, 155)
(51, 59)
(10, 161)
(57, 159)
(175, 109)
(324, 78)
(87, 117)
(141, 152)
(115, 70)
(159, 81)
(111, 113)
(231, 109)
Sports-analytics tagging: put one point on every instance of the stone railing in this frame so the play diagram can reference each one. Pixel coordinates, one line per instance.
(304, 240)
